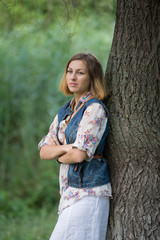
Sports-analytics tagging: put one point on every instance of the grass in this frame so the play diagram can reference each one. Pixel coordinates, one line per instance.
(35, 226)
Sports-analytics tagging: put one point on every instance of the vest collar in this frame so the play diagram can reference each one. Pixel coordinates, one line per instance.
(83, 99)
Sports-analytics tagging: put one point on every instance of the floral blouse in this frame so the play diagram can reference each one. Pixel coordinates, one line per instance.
(90, 131)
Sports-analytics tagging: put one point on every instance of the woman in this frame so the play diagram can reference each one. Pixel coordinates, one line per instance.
(77, 138)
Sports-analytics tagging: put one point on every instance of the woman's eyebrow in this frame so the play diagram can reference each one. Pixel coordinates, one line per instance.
(79, 69)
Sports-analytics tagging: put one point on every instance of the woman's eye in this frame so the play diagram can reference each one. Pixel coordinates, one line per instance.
(69, 71)
(80, 73)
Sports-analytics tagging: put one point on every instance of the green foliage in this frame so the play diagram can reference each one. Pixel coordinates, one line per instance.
(37, 226)
(36, 41)
(49, 12)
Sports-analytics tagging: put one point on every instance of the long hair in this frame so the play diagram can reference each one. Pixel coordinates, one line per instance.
(98, 86)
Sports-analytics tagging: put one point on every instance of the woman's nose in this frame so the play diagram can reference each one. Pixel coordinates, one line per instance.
(73, 76)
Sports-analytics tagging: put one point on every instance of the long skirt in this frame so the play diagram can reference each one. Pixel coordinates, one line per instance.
(86, 219)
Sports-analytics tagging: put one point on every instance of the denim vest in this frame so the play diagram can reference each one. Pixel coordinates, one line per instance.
(89, 173)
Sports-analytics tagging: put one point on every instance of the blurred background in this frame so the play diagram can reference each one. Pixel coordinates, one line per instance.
(36, 40)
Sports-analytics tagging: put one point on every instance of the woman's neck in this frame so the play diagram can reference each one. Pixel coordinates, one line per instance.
(77, 97)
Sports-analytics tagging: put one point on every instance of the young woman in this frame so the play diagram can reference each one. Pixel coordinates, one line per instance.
(76, 138)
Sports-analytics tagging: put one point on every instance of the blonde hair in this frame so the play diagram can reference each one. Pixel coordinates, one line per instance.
(98, 86)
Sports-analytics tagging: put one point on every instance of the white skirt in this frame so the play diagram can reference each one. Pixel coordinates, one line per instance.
(87, 219)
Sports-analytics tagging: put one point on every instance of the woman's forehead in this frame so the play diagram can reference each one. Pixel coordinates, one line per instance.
(77, 64)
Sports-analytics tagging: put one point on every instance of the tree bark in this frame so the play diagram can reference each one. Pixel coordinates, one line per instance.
(133, 148)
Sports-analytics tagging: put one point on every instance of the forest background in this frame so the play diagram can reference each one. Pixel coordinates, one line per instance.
(36, 40)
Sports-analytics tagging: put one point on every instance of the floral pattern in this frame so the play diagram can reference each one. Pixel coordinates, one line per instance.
(90, 131)
(72, 194)
(98, 122)
(64, 182)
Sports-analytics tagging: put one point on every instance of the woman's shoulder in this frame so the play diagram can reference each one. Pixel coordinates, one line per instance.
(94, 100)
(96, 103)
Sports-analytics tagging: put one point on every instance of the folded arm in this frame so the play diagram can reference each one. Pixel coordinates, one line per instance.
(65, 153)
(50, 152)
(54, 150)
(73, 156)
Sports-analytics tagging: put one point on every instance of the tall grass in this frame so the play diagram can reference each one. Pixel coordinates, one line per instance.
(32, 61)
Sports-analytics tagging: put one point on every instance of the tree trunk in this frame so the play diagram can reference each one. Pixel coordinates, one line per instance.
(133, 149)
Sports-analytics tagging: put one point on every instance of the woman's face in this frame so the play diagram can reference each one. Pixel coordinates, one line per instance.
(77, 77)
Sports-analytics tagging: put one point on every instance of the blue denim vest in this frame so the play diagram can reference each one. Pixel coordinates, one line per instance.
(89, 173)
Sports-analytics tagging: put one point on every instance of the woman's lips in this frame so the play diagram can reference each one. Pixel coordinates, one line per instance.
(73, 84)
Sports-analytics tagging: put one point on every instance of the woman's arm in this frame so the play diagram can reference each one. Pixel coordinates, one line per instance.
(49, 146)
(50, 152)
(65, 152)
(73, 156)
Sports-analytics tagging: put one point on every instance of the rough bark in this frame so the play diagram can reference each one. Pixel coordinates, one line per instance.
(133, 148)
